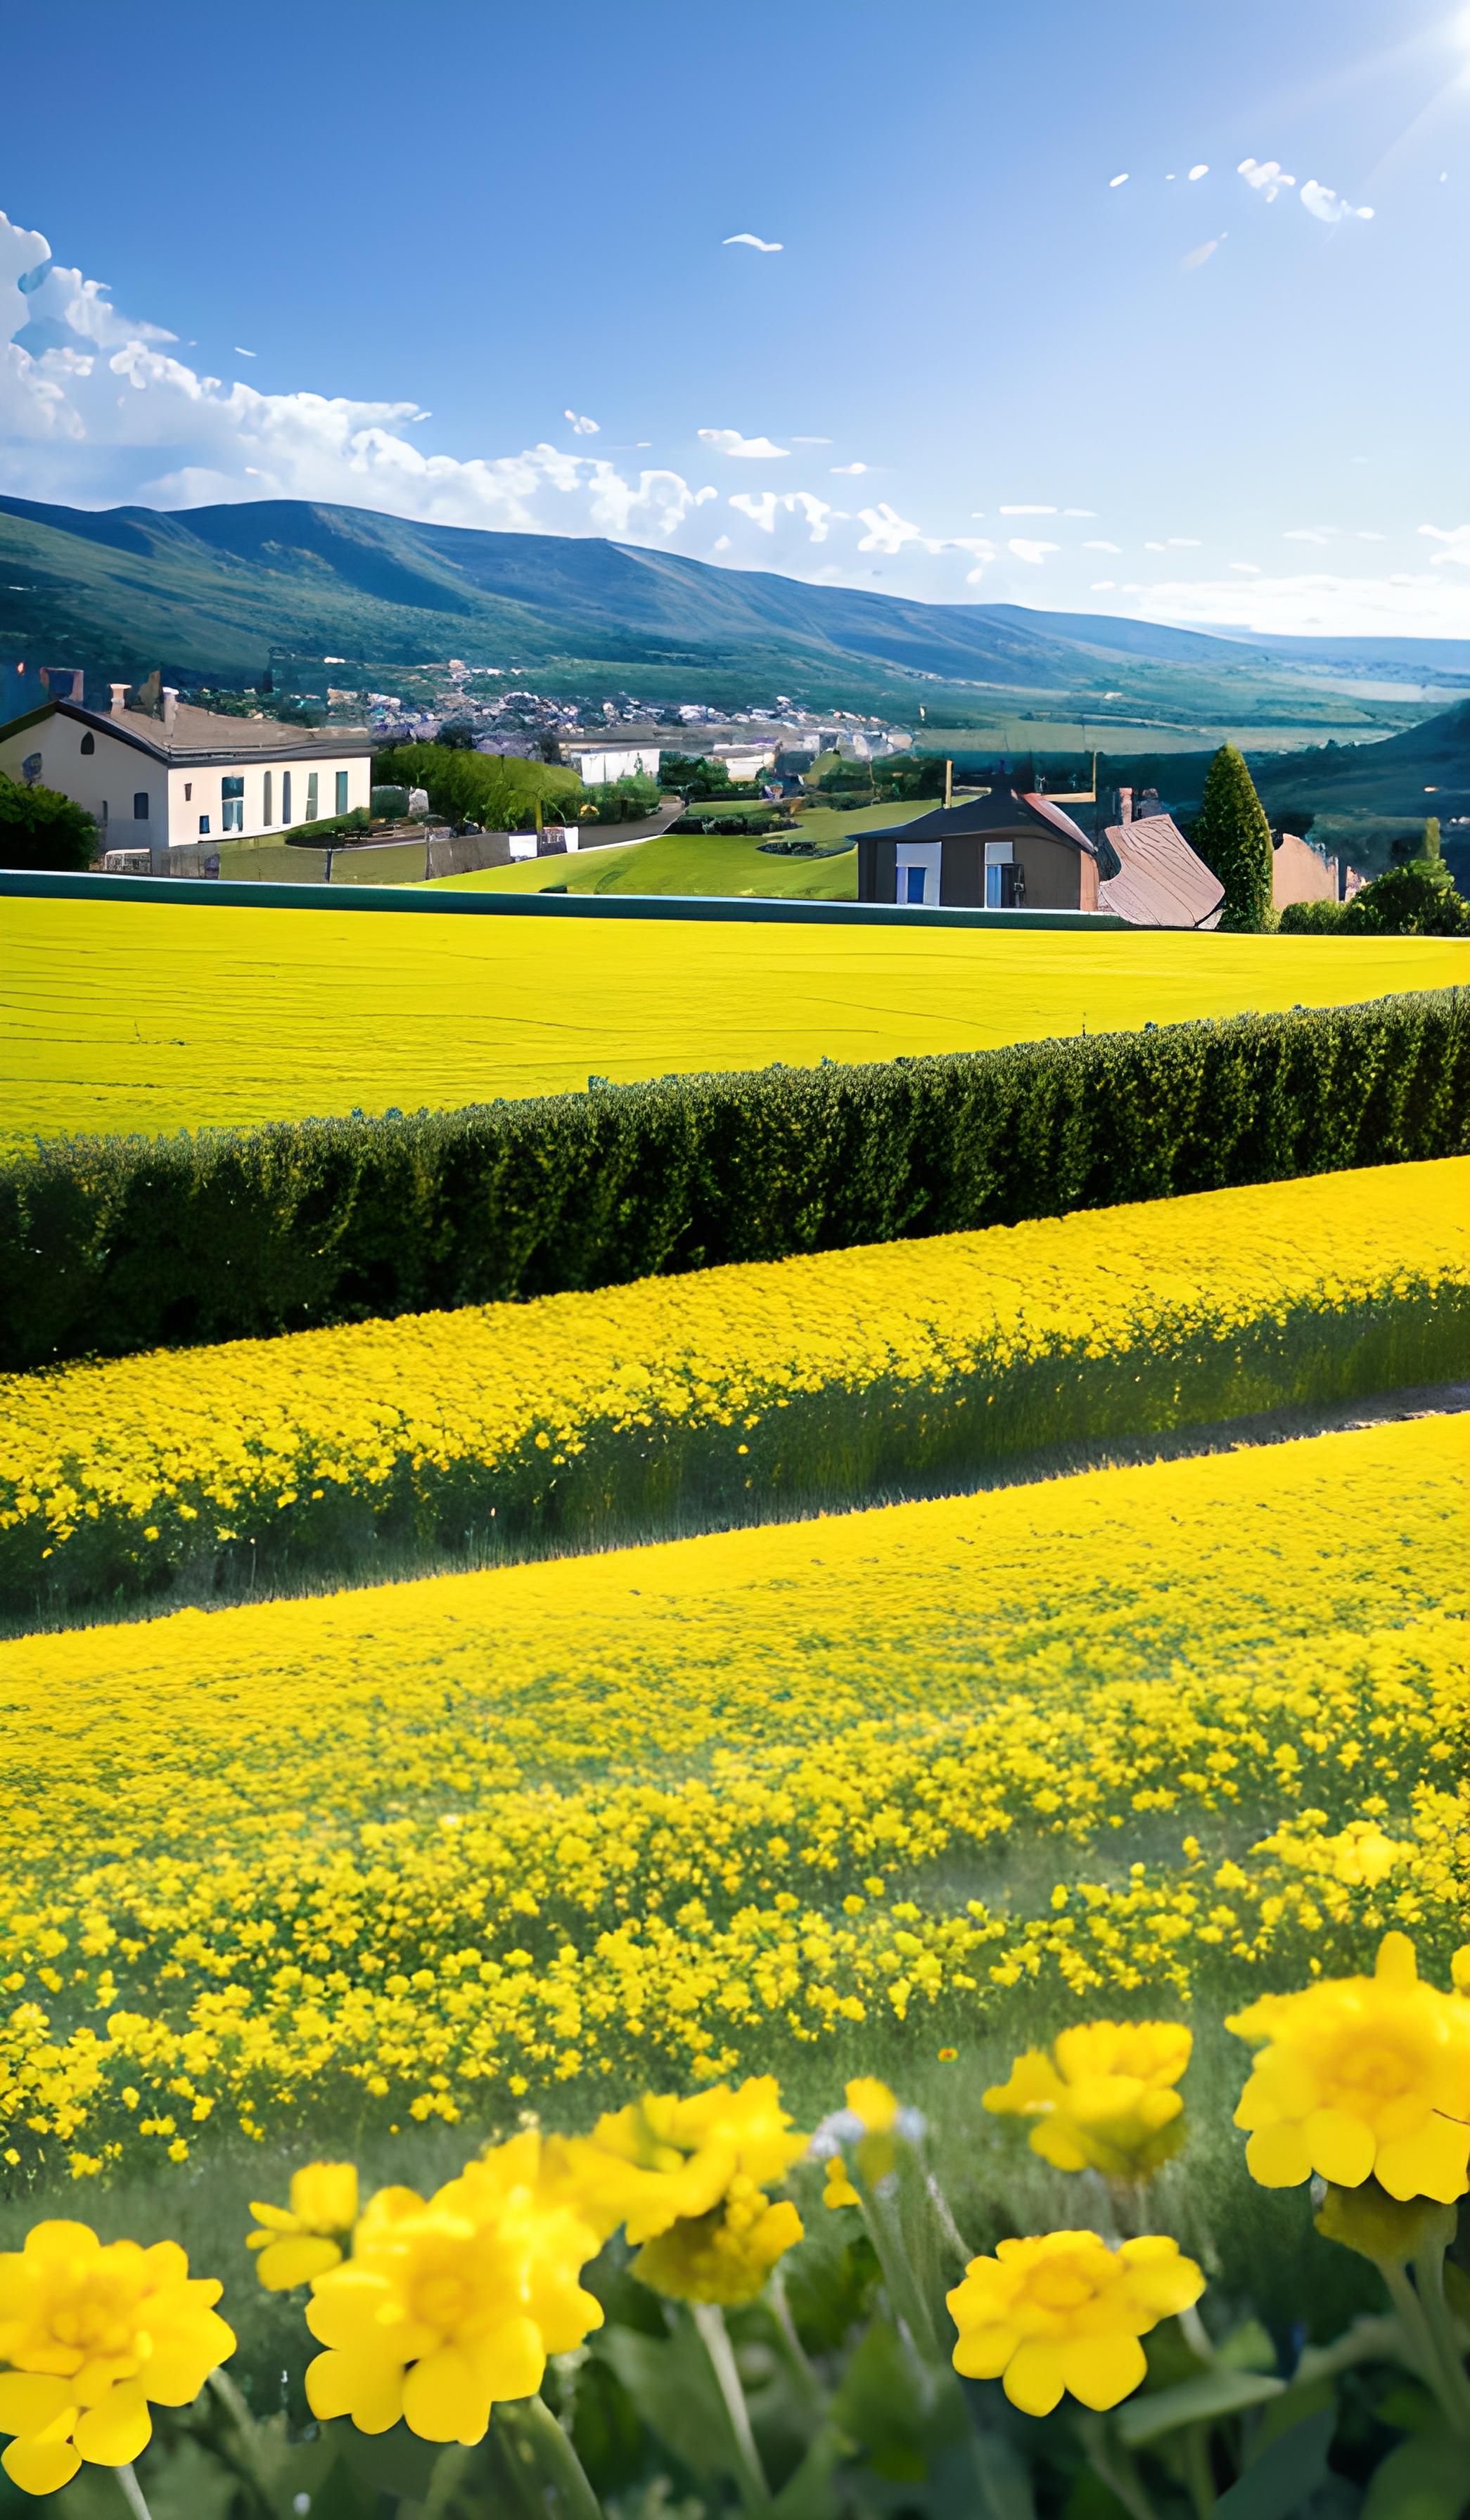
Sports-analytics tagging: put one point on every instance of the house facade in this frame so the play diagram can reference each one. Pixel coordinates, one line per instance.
(186, 778)
(999, 851)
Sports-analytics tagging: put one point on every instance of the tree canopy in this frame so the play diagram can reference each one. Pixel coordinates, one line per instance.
(497, 791)
(1233, 835)
(41, 829)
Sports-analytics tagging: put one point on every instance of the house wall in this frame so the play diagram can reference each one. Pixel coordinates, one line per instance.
(1056, 876)
(1298, 874)
(115, 773)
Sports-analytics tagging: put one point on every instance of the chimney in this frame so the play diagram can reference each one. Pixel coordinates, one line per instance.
(119, 698)
(170, 704)
(1124, 805)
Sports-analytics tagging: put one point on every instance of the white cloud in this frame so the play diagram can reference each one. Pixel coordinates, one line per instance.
(1267, 179)
(728, 442)
(1116, 181)
(811, 441)
(1156, 545)
(1365, 536)
(1079, 511)
(1104, 586)
(745, 238)
(1115, 548)
(1245, 568)
(1328, 205)
(1334, 607)
(1195, 172)
(887, 532)
(1027, 511)
(1456, 542)
(245, 354)
(1308, 534)
(1035, 552)
(762, 507)
(1199, 254)
(581, 426)
(722, 542)
(847, 467)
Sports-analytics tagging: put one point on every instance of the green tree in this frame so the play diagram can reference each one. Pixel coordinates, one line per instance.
(40, 828)
(456, 734)
(1234, 838)
(1418, 900)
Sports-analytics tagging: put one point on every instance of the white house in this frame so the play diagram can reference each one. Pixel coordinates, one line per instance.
(600, 763)
(187, 777)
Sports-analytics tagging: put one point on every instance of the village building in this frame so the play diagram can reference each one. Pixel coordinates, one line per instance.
(1008, 851)
(185, 778)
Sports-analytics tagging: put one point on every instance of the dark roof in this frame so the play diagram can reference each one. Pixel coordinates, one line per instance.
(199, 737)
(1000, 814)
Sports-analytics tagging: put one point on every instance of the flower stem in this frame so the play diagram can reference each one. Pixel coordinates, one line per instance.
(750, 2475)
(560, 2465)
(1118, 2474)
(798, 2361)
(1197, 2470)
(132, 2492)
(1429, 2278)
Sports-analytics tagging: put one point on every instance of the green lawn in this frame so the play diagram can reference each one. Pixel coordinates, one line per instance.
(705, 862)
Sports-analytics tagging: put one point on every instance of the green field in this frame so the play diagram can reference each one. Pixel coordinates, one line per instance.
(705, 862)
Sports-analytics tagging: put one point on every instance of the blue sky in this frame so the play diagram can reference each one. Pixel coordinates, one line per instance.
(980, 369)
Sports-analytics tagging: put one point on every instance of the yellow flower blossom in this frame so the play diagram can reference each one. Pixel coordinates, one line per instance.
(1104, 2098)
(1358, 2078)
(724, 2256)
(307, 2239)
(665, 2160)
(838, 2188)
(1065, 2313)
(451, 2303)
(91, 2335)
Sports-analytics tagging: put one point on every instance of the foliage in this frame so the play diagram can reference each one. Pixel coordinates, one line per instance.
(906, 777)
(629, 799)
(1314, 917)
(42, 828)
(940, 1772)
(1414, 900)
(497, 791)
(1233, 835)
(456, 734)
(334, 826)
(391, 800)
(825, 1380)
(736, 827)
(112, 1246)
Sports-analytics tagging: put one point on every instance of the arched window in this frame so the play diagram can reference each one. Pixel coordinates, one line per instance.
(88, 742)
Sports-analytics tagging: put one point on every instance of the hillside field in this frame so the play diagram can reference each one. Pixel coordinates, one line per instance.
(143, 1016)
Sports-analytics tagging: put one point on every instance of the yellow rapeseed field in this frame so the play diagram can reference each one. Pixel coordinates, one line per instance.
(747, 1388)
(393, 1854)
(154, 1016)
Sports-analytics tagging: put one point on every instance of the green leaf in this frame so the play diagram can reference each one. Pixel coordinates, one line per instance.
(1277, 2483)
(1194, 2402)
(394, 2463)
(1424, 2479)
(1248, 2347)
(809, 2493)
(671, 2385)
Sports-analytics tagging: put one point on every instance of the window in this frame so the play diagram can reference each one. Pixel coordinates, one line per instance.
(1001, 876)
(285, 795)
(232, 804)
(914, 884)
(266, 815)
(342, 792)
(187, 789)
(140, 806)
(89, 743)
(312, 809)
(917, 870)
(204, 826)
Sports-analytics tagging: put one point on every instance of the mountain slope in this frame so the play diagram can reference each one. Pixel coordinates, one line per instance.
(209, 592)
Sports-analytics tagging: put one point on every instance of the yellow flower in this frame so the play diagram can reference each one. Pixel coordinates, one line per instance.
(306, 2241)
(873, 2103)
(724, 2256)
(1360, 2077)
(91, 2335)
(1066, 2313)
(663, 2160)
(1104, 2099)
(450, 2304)
(838, 2189)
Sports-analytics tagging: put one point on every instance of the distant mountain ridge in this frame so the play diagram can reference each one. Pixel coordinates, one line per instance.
(208, 592)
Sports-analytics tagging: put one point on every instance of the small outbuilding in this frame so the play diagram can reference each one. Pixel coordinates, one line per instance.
(997, 851)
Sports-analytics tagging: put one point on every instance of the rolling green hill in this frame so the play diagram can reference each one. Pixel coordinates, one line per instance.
(207, 593)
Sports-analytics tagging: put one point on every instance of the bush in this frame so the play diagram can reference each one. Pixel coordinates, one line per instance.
(42, 829)
(391, 802)
(626, 801)
(1313, 917)
(497, 790)
(1417, 900)
(112, 1245)
(334, 828)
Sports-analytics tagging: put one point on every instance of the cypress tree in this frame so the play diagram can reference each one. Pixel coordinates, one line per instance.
(1234, 838)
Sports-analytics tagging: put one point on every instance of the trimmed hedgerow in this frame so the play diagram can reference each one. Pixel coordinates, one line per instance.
(108, 1245)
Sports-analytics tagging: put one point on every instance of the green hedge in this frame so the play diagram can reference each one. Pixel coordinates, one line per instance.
(116, 1244)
